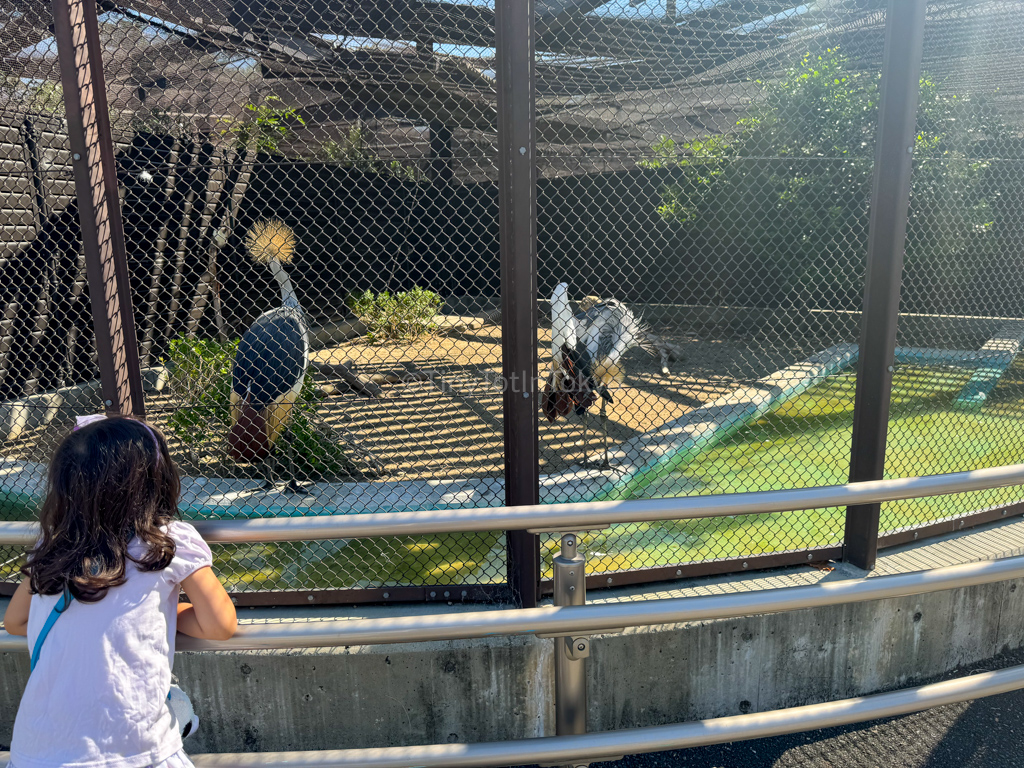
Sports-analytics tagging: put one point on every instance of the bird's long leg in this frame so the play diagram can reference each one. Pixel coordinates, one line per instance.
(292, 486)
(269, 470)
(586, 444)
(604, 430)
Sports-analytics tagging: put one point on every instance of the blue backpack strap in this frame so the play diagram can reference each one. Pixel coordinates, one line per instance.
(58, 609)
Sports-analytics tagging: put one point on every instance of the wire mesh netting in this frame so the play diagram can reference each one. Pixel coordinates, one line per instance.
(310, 202)
(47, 338)
(727, 209)
(960, 396)
(311, 227)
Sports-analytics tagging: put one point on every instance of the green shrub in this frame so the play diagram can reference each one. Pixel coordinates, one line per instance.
(201, 383)
(266, 127)
(353, 152)
(395, 317)
(37, 97)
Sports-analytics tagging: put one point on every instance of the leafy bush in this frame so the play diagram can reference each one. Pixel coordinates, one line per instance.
(268, 125)
(316, 451)
(352, 152)
(396, 317)
(38, 97)
(789, 188)
(201, 379)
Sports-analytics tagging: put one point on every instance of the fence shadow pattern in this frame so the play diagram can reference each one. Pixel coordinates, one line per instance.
(307, 239)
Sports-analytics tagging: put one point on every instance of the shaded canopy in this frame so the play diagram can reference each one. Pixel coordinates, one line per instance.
(610, 78)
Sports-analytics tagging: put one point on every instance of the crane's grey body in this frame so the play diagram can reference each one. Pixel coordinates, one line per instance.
(272, 357)
(587, 349)
(271, 361)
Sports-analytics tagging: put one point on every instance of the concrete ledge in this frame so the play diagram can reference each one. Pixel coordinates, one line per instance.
(916, 329)
(643, 459)
(1008, 341)
(17, 416)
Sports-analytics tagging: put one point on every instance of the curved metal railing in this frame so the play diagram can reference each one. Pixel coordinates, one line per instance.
(594, 618)
(577, 516)
(576, 620)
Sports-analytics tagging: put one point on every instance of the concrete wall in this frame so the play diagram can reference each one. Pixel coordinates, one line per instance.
(937, 330)
(762, 663)
(502, 687)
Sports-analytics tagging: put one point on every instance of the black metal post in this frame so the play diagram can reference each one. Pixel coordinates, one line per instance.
(28, 132)
(76, 29)
(441, 153)
(890, 201)
(517, 205)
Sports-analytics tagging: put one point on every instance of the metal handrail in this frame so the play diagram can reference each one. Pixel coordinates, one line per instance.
(576, 516)
(593, 618)
(592, 747)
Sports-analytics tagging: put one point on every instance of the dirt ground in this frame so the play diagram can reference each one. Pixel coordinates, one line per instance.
(451, 426)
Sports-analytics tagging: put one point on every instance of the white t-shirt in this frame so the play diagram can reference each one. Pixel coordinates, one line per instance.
(98, 695)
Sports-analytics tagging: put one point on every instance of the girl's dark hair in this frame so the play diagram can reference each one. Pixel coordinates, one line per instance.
(109, 481)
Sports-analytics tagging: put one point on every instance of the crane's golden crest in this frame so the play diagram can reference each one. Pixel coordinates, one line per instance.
(270, 239)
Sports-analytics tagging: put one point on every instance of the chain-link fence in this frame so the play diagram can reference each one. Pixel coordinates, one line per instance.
(958, 401)
(728, 211)
(310, 202)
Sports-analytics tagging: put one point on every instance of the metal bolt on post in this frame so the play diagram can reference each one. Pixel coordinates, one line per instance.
(570, 652)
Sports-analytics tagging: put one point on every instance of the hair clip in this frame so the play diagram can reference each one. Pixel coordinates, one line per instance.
(81, 421)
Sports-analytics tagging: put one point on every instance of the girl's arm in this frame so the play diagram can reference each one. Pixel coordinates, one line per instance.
(16, 616)
(211, 614)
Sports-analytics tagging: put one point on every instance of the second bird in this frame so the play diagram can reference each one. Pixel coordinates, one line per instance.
(587, 352)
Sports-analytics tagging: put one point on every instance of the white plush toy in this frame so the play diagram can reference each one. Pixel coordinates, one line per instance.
(181, 708)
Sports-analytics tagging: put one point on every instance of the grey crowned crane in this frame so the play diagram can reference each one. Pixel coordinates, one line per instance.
(587, 351)
(272, 358)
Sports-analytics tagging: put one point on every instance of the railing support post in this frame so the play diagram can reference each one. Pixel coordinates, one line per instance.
(76, 29)
(890, 202)
(570, 571)
(517, 220)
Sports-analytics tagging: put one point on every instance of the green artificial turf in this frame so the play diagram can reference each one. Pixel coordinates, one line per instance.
(471, 558)
(806, 442)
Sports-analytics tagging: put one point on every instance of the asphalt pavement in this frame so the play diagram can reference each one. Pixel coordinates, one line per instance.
(986, 733)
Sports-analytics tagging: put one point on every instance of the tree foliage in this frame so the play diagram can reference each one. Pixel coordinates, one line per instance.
(266, 126)
(32, 96)
(788, 190)
(354, 152)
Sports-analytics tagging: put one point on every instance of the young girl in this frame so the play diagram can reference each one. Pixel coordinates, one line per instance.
(97, 695)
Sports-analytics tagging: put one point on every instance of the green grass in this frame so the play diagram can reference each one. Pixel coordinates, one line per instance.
(441, 559)
(806, 442)
(472, 558)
